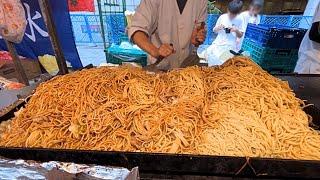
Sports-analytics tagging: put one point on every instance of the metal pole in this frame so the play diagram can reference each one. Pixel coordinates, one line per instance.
(22, 77)
(124, 8)
(102, 24)
(47, 14)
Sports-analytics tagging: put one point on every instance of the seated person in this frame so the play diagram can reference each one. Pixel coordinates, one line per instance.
(251, 16)
(229, 28)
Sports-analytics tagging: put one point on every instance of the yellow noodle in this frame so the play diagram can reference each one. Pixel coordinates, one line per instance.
(235, 110)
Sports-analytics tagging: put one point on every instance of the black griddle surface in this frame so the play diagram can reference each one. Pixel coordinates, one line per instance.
(306, 87)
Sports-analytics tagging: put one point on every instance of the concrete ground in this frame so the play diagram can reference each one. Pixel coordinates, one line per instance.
(94, 54)
(91, 54)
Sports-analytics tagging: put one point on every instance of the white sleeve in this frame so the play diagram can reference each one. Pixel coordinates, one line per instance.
(316, 17)
(242, 23)
(259, 19)
(145, 18)
(218, 23)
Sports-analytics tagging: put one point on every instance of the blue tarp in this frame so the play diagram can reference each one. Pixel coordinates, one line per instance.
(36, 41)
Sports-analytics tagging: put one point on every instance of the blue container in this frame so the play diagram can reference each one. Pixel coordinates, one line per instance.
(211, 22)
(117, 55)
(275, 36)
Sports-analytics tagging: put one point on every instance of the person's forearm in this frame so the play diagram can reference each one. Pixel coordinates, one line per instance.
(142, 40)
(239, 33)
(216, 30)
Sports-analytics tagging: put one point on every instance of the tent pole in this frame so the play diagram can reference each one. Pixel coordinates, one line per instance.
(22, 77)
(47, 14)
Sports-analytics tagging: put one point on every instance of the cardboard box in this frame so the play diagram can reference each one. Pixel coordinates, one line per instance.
(31, 68)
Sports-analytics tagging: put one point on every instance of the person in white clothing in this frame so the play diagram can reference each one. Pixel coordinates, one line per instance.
(169, 29)
(309, 52)
(251, 16)
(228, 28)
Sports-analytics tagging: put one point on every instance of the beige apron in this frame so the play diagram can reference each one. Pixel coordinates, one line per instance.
(162, 21)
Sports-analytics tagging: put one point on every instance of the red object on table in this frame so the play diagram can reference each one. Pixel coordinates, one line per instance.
(10, 85)
(81, 5)
(5, 56)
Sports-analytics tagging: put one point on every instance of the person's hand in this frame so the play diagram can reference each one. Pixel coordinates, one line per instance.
(220, 27)
(165, 50)
(234, 29)
(199, 35)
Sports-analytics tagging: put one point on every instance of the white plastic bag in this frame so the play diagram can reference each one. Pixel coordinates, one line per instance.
(216, 54)
(12, 20)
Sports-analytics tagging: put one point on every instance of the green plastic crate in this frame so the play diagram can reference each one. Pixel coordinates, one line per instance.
(272, 60)
(117, 55)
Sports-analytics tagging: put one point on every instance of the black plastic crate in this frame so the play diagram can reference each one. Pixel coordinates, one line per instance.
(275, 36)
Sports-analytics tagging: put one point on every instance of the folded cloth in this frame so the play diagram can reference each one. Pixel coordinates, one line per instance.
(216, 54)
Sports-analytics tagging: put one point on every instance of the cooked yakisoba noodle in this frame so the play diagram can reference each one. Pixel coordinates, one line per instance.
(236, 109)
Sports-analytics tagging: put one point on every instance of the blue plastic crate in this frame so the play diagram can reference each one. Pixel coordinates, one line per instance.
(270, 59)
(211, 22)
(275, 36)
(116, 27)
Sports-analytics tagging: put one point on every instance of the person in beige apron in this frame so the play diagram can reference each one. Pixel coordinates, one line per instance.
(168, 29)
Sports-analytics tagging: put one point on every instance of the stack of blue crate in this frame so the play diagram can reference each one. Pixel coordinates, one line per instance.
(115, 27)
(273, 47)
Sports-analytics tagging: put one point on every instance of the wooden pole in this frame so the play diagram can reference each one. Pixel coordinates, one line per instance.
(22, 77)
(47, 15)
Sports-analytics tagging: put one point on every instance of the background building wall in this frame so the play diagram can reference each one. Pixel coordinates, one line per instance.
(271, 6)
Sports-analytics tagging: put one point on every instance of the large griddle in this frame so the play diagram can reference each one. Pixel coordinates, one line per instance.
(306, 87)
